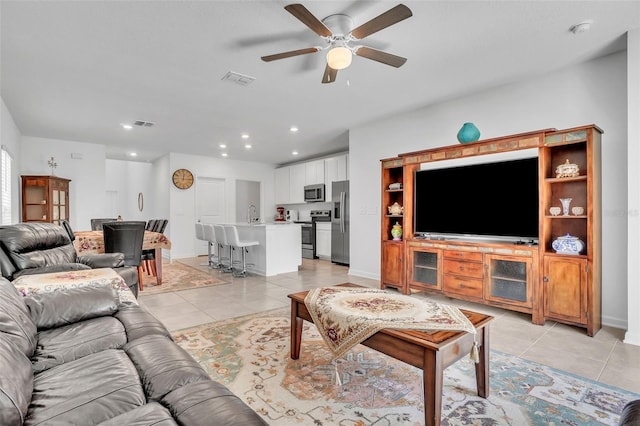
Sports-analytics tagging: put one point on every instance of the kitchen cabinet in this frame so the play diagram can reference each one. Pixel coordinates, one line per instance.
(314, 172)
(335, 170)
(297, 176)
(323, 240)
(282, 186)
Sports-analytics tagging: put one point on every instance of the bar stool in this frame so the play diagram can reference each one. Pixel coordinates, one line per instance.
(199, 236)
(221, 239)
(210, 237)
(232, 238)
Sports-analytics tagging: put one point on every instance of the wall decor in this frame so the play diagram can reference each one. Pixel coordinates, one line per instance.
(468, 133)
(140, 201)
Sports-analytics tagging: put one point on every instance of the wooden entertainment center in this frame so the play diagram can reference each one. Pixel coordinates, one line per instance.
(529, 277)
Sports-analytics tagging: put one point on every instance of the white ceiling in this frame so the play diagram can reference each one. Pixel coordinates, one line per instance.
(75, 70)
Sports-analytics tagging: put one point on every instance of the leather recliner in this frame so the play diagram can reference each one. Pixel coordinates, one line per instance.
(39, 248)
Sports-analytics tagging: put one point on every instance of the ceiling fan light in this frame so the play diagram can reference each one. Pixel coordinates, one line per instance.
(339, 57)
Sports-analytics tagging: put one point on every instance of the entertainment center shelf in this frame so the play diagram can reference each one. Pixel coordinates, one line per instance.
(553, 272)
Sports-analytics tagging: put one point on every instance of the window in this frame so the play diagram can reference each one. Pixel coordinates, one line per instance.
(5, 186)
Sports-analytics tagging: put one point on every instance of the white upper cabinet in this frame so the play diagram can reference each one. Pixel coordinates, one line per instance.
(297, 175)
(290, 181)
(314, 172)
(335, 169)
(282, 189)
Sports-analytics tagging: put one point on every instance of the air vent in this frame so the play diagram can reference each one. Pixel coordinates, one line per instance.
(144, 123)
(236, 77)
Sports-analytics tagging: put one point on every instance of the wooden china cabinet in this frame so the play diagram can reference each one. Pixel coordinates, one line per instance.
(532, 278)
(45, 199)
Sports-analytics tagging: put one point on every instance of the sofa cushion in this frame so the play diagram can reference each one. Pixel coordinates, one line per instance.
(70, 305)
(163, 366)
(74, 341)
(210, 403)
(15, 321)
(86, 391)
(139, 323)
(16, 383)
(151, 414)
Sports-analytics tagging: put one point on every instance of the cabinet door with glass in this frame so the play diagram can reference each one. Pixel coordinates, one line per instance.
(425, 268)
(45, 199)
(509, 280)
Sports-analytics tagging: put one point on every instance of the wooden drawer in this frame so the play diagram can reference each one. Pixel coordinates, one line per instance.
(466, 269)
(461, 285)
(463, 255)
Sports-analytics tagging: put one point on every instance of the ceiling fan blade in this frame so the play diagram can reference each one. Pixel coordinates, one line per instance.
(329, 75)
(380, 56)
(289, 54)
(307, 18)
(380, 22)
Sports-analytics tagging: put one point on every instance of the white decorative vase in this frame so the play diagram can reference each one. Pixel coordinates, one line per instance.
(566, 202)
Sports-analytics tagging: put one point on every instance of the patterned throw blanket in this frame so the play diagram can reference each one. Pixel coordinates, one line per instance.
(346, 316)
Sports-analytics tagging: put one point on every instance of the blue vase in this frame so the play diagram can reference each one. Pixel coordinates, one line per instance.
(468, 133)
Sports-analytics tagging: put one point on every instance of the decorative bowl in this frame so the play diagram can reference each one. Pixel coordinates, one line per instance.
(567, 170)
(555, 211)
(578, 211)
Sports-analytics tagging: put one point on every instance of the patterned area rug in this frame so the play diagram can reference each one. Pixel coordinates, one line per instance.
(251, 356)
(178, 276)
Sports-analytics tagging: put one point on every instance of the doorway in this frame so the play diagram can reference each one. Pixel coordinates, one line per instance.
(247, 195)
(211, 205)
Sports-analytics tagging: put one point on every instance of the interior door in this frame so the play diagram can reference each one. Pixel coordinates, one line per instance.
(211, 205)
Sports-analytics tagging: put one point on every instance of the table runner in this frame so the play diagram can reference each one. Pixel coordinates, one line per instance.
(92, 242)
(347, 316)
(46, 283)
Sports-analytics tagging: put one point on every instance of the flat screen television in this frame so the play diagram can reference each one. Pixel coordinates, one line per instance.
(495, 200)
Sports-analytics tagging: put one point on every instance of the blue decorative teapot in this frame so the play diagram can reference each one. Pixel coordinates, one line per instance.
(568, 244)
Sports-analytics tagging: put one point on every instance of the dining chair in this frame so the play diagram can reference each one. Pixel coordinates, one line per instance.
(127, 238)
(67, 227)
(96, 224)
(149, 256)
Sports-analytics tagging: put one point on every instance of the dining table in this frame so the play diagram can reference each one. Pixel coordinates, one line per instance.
(92, 242)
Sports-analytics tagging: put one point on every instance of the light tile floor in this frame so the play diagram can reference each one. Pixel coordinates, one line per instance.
(604, 357)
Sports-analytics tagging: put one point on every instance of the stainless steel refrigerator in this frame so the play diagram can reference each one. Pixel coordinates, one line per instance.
(340, 222)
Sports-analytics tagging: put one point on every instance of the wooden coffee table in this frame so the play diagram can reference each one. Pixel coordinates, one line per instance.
(431, 352)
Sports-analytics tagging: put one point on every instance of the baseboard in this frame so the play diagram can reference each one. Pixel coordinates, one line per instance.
(632, 338)
(364, 274)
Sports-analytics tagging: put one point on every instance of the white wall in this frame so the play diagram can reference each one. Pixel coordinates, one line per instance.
(87, 186)
(594, 92)
(633, 160)
(128, 179)
(182, 203)
(10, 138)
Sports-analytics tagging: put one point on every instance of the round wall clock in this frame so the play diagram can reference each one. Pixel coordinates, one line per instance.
(182, 178)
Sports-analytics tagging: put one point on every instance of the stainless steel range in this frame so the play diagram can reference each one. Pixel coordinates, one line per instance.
(308, 229)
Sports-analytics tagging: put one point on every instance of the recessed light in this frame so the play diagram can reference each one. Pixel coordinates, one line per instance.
(223, 145)
(247, 146)
(293, 129)
(133, 154)
(224, 154)
(294, 153)
(245, 136)
(126, 126)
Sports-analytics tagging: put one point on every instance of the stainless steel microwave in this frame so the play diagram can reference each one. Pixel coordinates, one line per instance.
(314, 193)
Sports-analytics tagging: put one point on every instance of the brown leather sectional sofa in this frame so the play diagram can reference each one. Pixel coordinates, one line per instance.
(81, 357)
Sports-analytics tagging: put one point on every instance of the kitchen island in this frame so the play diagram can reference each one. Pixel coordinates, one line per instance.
(280, 249)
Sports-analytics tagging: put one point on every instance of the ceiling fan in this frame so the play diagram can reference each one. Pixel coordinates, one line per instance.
(336, 31)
